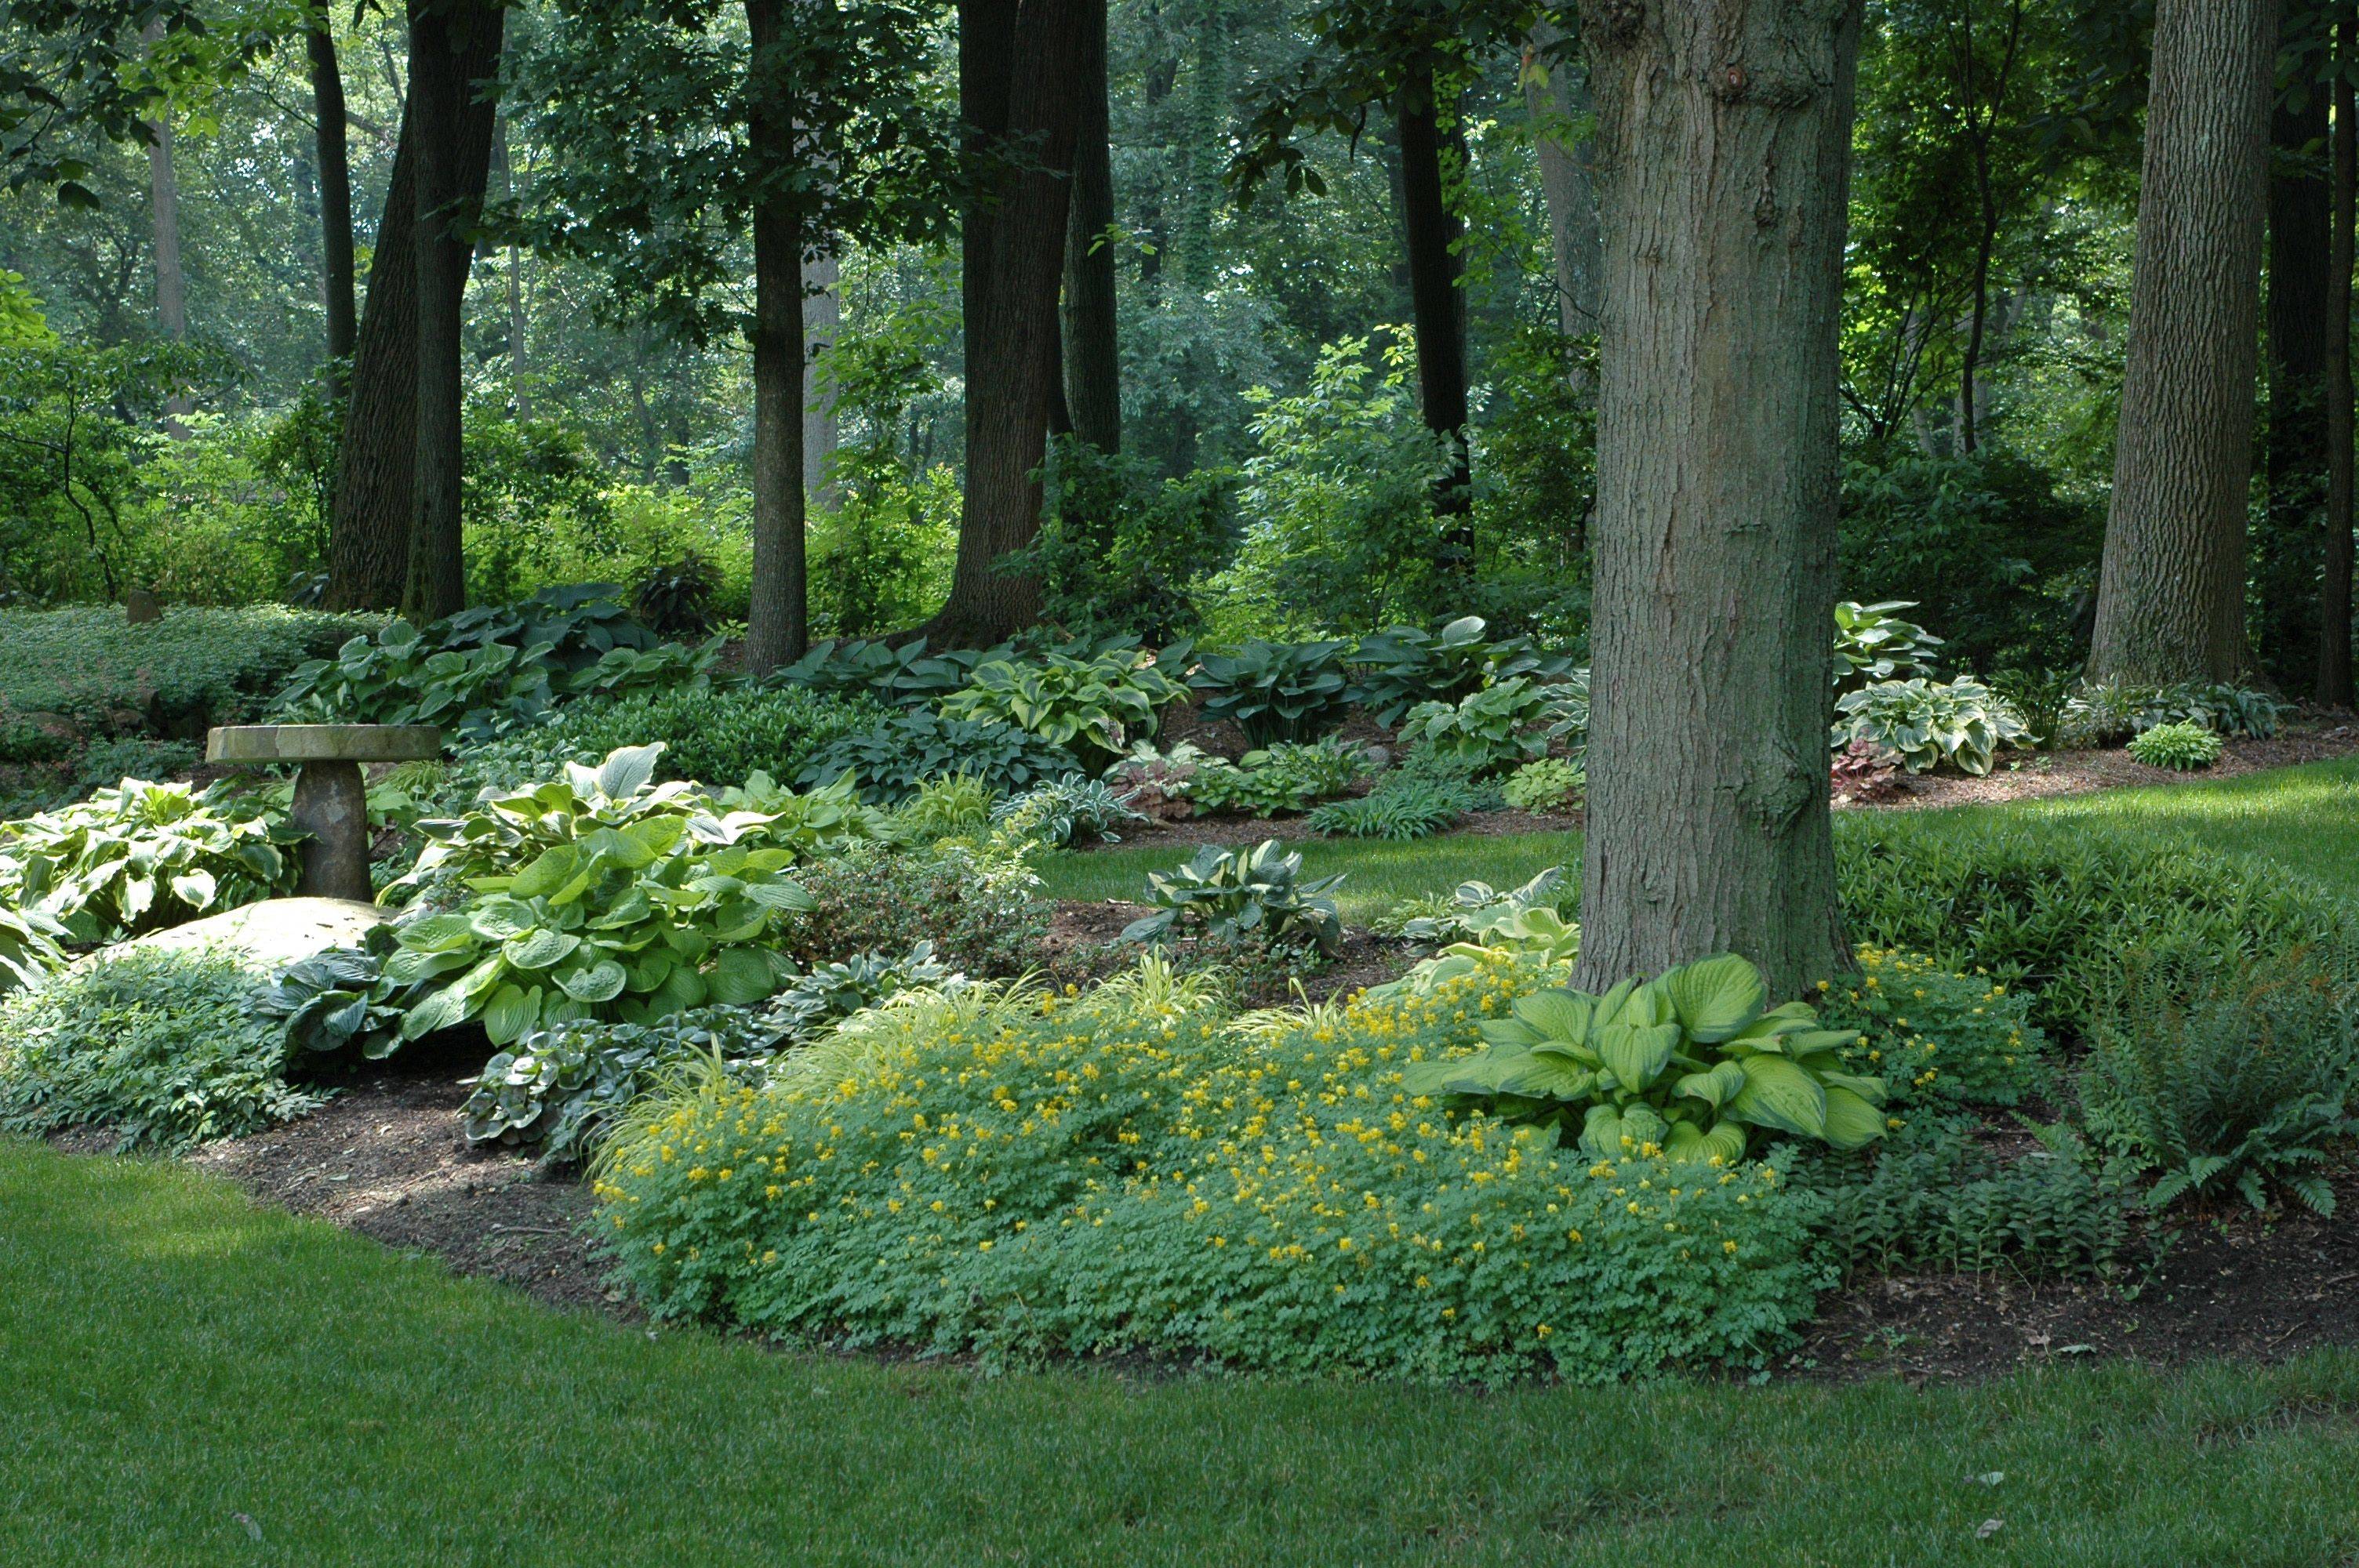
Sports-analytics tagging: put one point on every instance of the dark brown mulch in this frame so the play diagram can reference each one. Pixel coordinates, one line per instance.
(2080, 773)
(385, 1158)
(2233, 1285)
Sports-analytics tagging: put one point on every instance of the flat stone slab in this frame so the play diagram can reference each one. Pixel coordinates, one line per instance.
(323, 744)
(274, 935)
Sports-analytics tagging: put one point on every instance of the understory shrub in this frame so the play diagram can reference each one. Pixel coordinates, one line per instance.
(157, 1045)
(890, 760)
(1238, 894)
(1284, 778)
(1136, 1170)
(1276, 691)
(144, 856)
(1940, 1038)
(1545, 784)
(2221, 1078)
(2181, 747)
(2055, 905)
(720, 737)
(982, 912)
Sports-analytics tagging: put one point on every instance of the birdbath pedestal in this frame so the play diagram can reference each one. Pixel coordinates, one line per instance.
(330, 801)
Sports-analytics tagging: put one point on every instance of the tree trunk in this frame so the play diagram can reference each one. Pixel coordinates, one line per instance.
(519, 349)
(1437, 304)
(1724, 143)
(2170, 593)
(172, 283)
(336, 272)
(778, 624)
(1091, 346)
(1011, 297)
(454, 45)
(822, 321)
(368, 532)
(2295, 451)
(2333, 689)
(1556, 95)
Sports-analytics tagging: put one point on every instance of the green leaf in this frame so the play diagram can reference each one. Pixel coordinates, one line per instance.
(539, 949)
(439, 934)
(1850, 1122)
(1637, 1055)
(511, 1012)
(1715, 998)
(739, 975)
(1558, 1014)
(627, 771)
(602, 981)
(555, 866)
(1779, 1094)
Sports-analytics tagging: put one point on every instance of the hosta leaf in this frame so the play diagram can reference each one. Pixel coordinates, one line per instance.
(1547, 1076)
(602, 981)
(626, 771)
(1874, 1091)
(617, 849)
(499, 919)
(194, 889)
(1558, 1014)
(555, 866)
(1716, 1087)
(439, 934)
(1601, 1133)
(1850, 1122)
(1637, 1055)
(442, 1009)
(539, 949)
(1715, 998)
(512, 1011)
(1779, 1094)
(739, 975)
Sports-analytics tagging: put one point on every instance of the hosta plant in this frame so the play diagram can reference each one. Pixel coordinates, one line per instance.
(29, 948)
(1276, 691)
(598, 895)
(2107, 713)
(2181, 747)
(1090, 707)
(904, 674)
(339, 999)
(1064, 811)
(1401, 667)
(1240, 895)
(890, 760)
(821, 820)
(1499, 725)
(1691, 1064)
(1872, 644)
(1545, 784)
(1290, 776)
(1927, 723)
(143, 856)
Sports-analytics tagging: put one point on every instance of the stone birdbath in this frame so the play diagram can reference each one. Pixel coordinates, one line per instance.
(330, 801)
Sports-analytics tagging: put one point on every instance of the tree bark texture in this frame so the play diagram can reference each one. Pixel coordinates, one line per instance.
(1011, 297)
(454, 46)
(1723, 140)
(2170, 593)
(368, 531)
(337, 279)
(1437, 305)
(1556, 95)
(822, 322)
(2333, 688)
(777, 624)
(163, 198)
(2297, 327)
(1091, 345)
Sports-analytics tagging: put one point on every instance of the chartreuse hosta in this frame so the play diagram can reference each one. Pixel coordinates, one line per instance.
(597, 896)
(1690, 1061)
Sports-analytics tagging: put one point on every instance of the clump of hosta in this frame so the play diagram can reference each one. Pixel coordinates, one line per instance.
(1257, 894)
(1928, 723)
(1690, 1064)
(1546, 784)
(143, 856)
(2183, 748)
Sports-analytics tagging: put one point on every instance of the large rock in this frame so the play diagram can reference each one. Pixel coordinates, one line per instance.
(271, 934)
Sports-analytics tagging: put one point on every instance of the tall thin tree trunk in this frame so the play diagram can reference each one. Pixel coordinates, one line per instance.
(1725, 135)
(1437, 304)
(822, 321)
(368, 532)
(1011, 334)
(2170, 593)
(1556, 95)
(164, 195)
(336, 271)
(454, 47)
(1970, 365)
(512, 276)
(2296, 327)
(1091, 346)
(778, 625)
(2333, 688)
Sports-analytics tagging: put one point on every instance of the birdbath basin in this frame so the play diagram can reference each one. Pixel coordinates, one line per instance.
(330, 801)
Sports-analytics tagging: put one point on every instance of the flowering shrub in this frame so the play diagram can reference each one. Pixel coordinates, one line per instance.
(1938, 1037)
(1135, 1168)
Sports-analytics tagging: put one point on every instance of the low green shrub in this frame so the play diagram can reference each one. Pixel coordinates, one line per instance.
(1404, 807)
(133, 757)
(1136, 1170)
(157, 1046)
(719, 737)
(1501, 726)
(891, 759)
(2225, 1079)
(144, 856)
(1545, 784)
(1276, 691)
(2181, 747)
(1940, 1038)
(982, 912)
(1283, 779)
(1064, 811)
(1090, 707)
(1928, 723)
(29, 948)
(2053, 906)
(1234, 895)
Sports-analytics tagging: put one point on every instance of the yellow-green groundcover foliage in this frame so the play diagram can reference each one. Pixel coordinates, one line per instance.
(1138, 1170)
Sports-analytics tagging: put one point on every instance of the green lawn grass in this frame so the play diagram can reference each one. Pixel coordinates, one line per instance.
(174, 1358)
(2305, 819)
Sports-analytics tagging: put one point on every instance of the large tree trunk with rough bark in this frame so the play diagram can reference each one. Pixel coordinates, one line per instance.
(1437, 305)
(2333, 689)
(336, 281)
(1019, 67)
(454, 47)
(1092, 348)
(368, 531)
(778, 624)
(1724, 147)
(1556, 95)
(2170, 594)
(2297, 329)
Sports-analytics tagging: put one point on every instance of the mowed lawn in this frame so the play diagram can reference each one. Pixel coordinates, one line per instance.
(191, 1380)
(2304, 819)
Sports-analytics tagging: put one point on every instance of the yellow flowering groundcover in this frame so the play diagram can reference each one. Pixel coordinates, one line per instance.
(1138, 1169)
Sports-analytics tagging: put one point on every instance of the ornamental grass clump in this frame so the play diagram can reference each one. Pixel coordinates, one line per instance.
(1135, 1169)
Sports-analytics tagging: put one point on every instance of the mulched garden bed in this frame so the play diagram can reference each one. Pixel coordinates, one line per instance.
(2080, 773)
